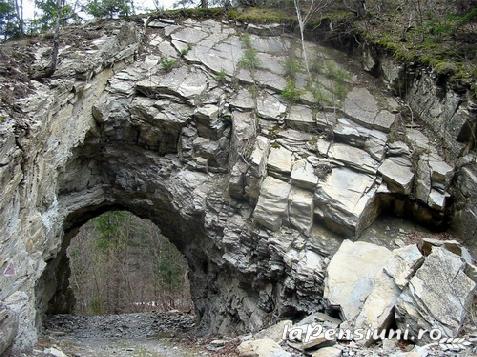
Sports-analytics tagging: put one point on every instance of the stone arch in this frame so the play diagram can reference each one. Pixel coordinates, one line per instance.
(228, 174)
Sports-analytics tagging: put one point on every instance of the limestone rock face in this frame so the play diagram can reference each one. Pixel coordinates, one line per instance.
(242, 182)
(441, 279)
(272, 205)
(345, 201)
(8, 327)
(348, 287)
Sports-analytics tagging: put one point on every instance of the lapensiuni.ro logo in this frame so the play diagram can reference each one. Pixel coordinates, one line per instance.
(309, 332)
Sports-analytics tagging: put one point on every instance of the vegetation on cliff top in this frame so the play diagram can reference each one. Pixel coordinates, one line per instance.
(436, 33)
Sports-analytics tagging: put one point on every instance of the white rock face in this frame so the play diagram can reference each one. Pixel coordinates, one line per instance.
(345, 285)
(301, 210)
(437, 296)
(272, 205)
(280, 161)
(302, 175)
(345, 200)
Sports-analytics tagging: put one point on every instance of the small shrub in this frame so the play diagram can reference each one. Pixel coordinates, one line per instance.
(445, 68)
(291, 93)
(221, 76)
(292, 67)
(167, 64)
(186, 50)
(249, 59)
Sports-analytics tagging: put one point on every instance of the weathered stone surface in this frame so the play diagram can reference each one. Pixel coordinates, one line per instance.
(302, 175)
(188, 149)
(327, 352)
(242, 99)
(403, 264)
(264, 347)
(397, 173)
(346, 286)
(280, 161)
(301, 118)
(8, 327)
(377, 312)
(272, 205)
(353, 157)
(362, 106)
(182, 82)
(345, 201)
(441, 278)
(373, 141)
(301, 210)
(274, 332)
(441, 172)
(269, 107)
(258, 167)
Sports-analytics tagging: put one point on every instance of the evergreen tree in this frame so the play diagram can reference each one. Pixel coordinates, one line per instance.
(109, 8)
(9, 24)
(49, 11)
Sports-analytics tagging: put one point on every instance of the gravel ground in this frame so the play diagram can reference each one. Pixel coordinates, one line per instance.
(169, 334)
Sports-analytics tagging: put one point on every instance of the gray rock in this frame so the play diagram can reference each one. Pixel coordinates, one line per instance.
(272, 205)
(423, 180)
(264, 347)
(181, 82)
(274, 332)
(280, 161)
(8, 327)
(345, 201)
(301, 118)
(346, 286)
(301, 210)
(441, 278)
(362, 106)
(258, 167)
(398, 174)
(269, 107)
(377, 312)
(327, 352)
(302, 175)
(353, 157)
(441, 172)
(403, 264)
(372, 141)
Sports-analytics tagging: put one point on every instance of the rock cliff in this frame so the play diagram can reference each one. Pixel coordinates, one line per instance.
(186, 124)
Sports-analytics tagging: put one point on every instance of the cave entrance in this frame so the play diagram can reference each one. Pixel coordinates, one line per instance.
(112, 263)
(120, 263)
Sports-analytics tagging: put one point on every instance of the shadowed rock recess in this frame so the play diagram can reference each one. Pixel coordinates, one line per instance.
(243, 182)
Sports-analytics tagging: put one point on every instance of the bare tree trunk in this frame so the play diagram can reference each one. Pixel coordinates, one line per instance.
(56, 40)
(19, 10)
(301, 25)
(204, 4)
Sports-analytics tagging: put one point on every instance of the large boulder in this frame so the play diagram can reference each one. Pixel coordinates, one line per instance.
(438, 296)
(351, 275)
(377, 312)
(264, 347)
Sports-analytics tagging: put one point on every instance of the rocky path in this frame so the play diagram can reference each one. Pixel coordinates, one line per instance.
(141, 335)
